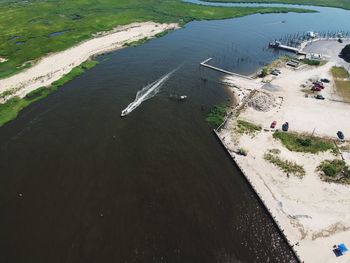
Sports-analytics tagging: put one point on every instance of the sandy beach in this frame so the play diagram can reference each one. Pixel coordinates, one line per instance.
(54, 66)
(314, 215)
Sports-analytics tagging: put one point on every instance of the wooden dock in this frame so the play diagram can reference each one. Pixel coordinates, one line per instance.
(287, 48)
(204, 64)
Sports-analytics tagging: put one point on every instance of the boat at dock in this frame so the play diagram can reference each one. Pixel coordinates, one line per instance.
(278, 44)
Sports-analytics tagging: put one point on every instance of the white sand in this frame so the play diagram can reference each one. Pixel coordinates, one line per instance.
(312, 212)
(54, 66)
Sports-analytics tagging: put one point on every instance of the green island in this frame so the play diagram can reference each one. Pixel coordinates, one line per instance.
(30, 30)
(344, 4)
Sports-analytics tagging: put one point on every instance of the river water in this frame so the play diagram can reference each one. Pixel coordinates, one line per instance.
(80, 184)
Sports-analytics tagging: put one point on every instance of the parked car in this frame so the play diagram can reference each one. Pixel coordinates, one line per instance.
(314, 88)
(340, 135)
(319, 85)
(275, 72)
(319, 97)
(325, 80)
(273, 124)
(285, 126)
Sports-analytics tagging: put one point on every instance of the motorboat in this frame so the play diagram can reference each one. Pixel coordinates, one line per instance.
(124, 113)
(183, 97)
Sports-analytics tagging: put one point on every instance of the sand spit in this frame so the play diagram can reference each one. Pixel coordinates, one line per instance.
(54, 66)
(313, 215)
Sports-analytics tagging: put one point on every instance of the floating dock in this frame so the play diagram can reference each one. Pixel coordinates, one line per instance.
(278, 45)
(204, 64)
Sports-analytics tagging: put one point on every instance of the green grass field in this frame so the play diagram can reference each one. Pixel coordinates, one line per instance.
(342, 82)
(345, 4)
(304, 143)
(25, 26)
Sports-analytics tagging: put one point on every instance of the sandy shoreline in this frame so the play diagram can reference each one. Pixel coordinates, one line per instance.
(52, 67)
(312, 214)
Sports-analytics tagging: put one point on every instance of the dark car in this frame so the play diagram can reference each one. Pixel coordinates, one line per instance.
(285, 126)
(320, 97)
(314, 88)
(325, 80)
(319, 85)
(340, 135)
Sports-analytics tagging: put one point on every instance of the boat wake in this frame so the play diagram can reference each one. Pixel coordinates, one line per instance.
(147, 92)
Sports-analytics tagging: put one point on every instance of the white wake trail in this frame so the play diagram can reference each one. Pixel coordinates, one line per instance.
(146, 93)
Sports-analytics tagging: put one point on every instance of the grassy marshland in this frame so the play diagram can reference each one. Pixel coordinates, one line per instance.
(27, 27)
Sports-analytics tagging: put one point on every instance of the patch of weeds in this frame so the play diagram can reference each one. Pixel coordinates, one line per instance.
(245, 127)
(286, 166)
(335, 171)
(305, 143)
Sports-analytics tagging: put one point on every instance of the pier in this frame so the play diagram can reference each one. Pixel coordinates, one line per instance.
(204, 64)
(278, 45)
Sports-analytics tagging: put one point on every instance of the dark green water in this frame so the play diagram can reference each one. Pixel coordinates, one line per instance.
(80, 184)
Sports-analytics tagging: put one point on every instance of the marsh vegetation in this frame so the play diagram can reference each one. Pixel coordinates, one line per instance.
(32, 23)
(10, 109)
(217, 115)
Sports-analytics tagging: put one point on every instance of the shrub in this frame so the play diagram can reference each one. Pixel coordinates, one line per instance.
(243, 152)
(264, 72)
(333, 168)
(345, 53)
(329, 170)
(305, 142)
(311, 62)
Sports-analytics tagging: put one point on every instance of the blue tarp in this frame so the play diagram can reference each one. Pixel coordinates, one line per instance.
(343, 249)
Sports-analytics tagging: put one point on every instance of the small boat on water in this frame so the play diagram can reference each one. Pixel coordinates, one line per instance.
(177, 97)
(124, 113)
